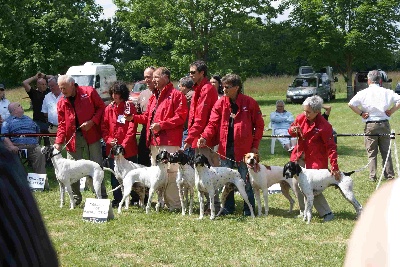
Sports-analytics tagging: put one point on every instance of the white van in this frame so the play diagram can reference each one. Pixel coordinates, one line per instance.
(99, 76)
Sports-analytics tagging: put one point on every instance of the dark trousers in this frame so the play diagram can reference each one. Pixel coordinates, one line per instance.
(44, 129)
(143, 150)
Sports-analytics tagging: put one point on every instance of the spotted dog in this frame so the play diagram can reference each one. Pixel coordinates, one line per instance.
(69, 171)
(313, 181)
(154, 177)
(121, 167)
(209, 179)
(262, 177)
(184, 179)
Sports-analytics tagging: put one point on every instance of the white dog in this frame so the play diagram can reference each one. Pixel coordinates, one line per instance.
(313, 181)
(121, 167)
(184, 179)
(154, 177)
(262, 177)
(209, 179)
(70, 171)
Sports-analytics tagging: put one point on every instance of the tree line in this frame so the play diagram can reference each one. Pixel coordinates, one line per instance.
(231, 36)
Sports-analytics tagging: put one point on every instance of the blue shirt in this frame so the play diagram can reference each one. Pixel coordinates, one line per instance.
(24, 124)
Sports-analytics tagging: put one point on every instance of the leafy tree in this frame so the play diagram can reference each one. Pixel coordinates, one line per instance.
(347, 34)
(224, 33)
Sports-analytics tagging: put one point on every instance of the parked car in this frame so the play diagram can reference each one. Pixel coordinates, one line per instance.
(308, 83)
(137, 88)
(361, 81)
(397, 89)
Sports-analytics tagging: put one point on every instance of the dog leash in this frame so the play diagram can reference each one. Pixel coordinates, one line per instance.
(223, 155)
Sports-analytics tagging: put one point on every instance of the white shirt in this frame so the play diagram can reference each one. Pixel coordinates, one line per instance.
(49, 106)
(4, 108)
(375, 100)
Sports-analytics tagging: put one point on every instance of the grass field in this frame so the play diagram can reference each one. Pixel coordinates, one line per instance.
(169, 239)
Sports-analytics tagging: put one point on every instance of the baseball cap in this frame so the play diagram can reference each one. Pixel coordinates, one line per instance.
(2, 87)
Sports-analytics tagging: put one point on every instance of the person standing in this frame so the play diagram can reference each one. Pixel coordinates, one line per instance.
(280, 122)
(4, 102)
(238, 120)
(49, 107)
(164, 118)
(216, 82)
(315, 146)
(143, 100)
(79, 117)
(375, 105)
(37, 97)
(186, 87)
(116, 129)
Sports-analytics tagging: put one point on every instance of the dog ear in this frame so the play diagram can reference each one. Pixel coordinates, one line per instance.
(298, 169)
(257, 157)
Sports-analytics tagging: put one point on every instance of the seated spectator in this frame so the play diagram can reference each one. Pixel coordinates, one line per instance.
(4, 102)
(281, 120)
(18, 123)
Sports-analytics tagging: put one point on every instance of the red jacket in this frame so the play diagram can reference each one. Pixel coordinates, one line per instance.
(203, 100)
(248, 125)
(125, 133)
(317, 143)
(170, 112)
(88, 106)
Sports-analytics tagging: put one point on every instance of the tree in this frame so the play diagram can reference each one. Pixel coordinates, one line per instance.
(223, 33)
(347, 34)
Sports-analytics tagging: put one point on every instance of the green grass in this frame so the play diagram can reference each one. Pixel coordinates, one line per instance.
(169, 239)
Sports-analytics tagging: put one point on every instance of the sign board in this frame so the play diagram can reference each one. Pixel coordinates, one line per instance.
(36, 181)
(97, 210)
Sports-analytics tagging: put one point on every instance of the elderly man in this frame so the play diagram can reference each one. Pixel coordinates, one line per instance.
(280, 122)
(79, 118)
(49, 107)
(375, 105)
(37, 96)
(18, 123)
(164, 118)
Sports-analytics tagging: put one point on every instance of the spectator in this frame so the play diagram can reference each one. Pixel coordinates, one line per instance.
(280, 122)
(216, 82)
(4, 102)
(164, 118)
(239, 121)
(116, 130)
(49, 107)
(375, 105)
(37, 97)
(23, 236)
(326, 115)
(186, 87)
(143, 100)
(79, 117)
(315, 146)
(18, 123)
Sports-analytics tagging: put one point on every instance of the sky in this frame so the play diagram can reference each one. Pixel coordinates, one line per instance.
(109, 9)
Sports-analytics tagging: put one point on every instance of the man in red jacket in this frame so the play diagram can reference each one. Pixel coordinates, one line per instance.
(315, 145)
(79, 118)
(164, 118)
(238, 120)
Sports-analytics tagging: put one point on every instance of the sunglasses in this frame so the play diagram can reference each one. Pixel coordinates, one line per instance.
(228, 86)
(192, 72)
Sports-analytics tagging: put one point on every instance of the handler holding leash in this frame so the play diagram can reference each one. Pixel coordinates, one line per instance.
(315, 146)
(375, 105)
(79, 118)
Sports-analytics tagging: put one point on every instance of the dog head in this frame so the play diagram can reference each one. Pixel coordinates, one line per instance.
(179, 157)
(118, 150)
(49, 152)
(251, 159)
(291, 169)
(163, 156)
(201, 160)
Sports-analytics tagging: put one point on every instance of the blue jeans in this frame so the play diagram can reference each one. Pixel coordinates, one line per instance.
(242, 168)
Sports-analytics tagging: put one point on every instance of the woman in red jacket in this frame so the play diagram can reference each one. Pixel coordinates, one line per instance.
(116, 130)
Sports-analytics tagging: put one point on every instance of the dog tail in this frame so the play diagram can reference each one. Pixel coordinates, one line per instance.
(110, 170)
(114, 189)
(348, 173)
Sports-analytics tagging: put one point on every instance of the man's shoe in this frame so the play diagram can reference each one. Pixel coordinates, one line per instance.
(225, 212)
(328, 217)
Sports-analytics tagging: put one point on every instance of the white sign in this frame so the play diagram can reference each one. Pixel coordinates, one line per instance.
(36, 181)
(97, 210)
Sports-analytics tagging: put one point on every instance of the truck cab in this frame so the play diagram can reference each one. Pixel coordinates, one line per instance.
(99, 76)
(308, 83)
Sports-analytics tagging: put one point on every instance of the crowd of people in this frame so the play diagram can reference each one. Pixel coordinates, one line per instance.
(208, 116)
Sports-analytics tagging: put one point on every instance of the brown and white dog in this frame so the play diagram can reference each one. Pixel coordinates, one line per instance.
(262, 177)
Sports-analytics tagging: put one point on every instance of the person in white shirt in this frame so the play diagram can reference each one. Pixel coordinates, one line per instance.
(375, 105)
(4, 102)
(49, 106)
(281, 120)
